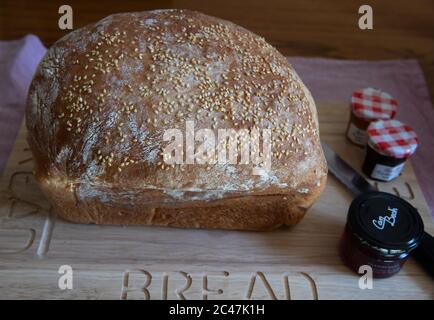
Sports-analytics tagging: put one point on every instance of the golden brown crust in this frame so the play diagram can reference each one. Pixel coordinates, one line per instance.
(254, 212)
(103, 96)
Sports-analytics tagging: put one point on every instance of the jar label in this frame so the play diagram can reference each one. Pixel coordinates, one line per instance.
(356, 135)
(381, 222)
(386, 173)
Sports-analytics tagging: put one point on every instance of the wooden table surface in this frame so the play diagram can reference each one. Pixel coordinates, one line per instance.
(112, 262)
(402, 29)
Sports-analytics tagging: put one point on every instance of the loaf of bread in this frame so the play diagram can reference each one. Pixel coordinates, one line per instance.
(104, 96)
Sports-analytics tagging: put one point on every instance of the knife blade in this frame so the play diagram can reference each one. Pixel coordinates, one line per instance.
(345, 173)
(357, 184)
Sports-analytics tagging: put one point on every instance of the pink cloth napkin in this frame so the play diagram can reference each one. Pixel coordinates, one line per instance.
(335, 80)
(18, 62)
(328, 80)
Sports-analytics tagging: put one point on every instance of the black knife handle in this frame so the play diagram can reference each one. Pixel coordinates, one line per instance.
(424, 253)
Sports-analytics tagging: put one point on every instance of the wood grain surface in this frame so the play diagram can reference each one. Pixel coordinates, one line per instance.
(113, 262)
(402, 29)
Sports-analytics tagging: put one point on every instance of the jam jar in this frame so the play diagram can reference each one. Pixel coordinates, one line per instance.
(390, 143)
(381, 231)
(368, 105)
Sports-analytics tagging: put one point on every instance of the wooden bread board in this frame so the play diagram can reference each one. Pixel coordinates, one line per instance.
(113, 262)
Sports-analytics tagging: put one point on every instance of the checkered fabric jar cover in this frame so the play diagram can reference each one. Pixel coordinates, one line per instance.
(392, 138)
(373, 104)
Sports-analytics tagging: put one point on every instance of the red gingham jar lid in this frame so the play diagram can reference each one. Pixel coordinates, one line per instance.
(392, 138)
(373, 104)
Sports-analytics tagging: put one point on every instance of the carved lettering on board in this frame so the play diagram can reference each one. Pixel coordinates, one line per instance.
(181, 285)
(403, 190)
(24, 208)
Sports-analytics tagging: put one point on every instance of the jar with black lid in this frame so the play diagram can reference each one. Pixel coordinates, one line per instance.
(390, 144)
(381, 231)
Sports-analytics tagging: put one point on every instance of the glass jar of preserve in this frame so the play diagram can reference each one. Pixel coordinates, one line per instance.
(368, 105)
(381, 231)
(390, 143)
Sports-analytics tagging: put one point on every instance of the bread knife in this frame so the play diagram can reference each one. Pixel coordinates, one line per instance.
(357, 184)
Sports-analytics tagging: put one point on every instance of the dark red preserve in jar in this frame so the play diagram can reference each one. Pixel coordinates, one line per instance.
(390, 143)
(381, 231)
